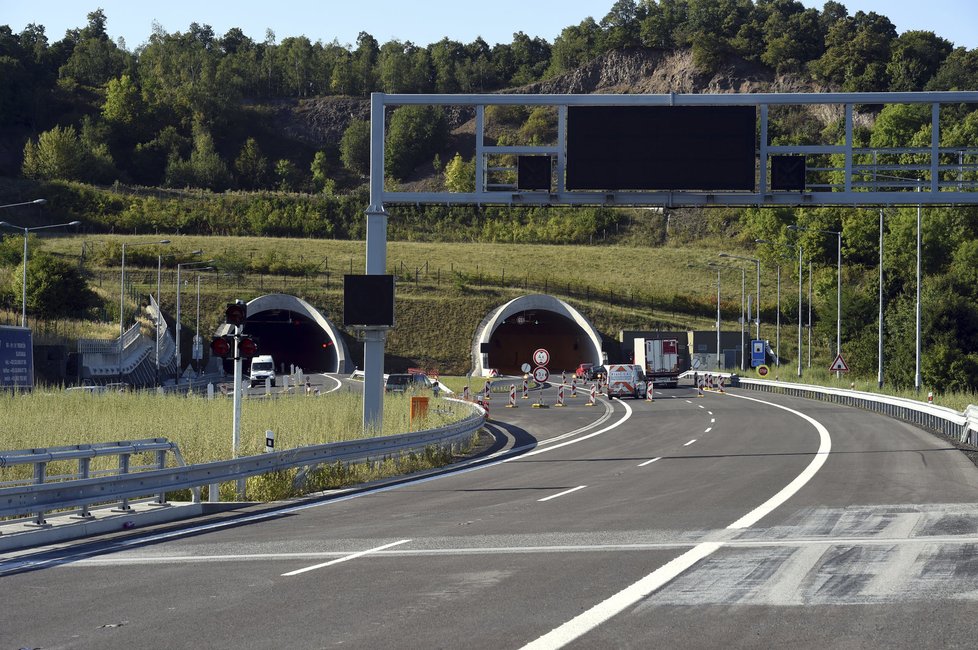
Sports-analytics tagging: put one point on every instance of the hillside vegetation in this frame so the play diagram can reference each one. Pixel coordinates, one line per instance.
(199, 136)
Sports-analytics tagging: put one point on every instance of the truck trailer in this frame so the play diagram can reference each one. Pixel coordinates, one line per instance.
(661, 359)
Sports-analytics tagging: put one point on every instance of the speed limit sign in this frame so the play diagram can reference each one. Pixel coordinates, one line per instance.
(541, 357)
(541, 374)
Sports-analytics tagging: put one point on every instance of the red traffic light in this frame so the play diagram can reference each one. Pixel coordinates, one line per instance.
(221, 347)
(236, 313)
(247, 347)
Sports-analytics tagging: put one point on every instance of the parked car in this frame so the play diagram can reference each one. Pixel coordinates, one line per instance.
(583, 370)
(401, 382)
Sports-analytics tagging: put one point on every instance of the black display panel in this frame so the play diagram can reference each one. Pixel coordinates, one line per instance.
(661, 148)
(788, 173)
(368, 300)
(533, 173)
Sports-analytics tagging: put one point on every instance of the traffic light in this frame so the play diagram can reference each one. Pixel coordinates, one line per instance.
(247, 347)
(222, 346)
(236, 313)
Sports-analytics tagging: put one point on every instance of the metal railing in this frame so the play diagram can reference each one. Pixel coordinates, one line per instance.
(84, 454)
(962, 426)
(40, 497)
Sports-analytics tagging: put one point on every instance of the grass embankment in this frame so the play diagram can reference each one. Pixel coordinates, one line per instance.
(202, 430)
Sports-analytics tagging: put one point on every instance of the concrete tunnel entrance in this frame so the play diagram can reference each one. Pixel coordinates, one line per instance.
(507, 337)
(296, 333)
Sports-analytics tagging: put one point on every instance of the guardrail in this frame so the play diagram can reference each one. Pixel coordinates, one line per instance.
(962, 426)
(84, 492)
(84, 454)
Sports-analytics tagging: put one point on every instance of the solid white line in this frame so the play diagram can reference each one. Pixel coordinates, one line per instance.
(339, 384)
(345, 558)
(708, 429)
(560, 494)
(583, 623)
(690, 442)
(605, 610)
(649, 462)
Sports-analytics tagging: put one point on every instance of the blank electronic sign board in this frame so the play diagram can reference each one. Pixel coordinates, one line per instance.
(368, 300)
(661, 147)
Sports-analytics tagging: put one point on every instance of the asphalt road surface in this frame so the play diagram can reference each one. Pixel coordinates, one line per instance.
(742, 520)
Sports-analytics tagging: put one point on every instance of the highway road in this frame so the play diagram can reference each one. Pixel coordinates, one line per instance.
(742, 520)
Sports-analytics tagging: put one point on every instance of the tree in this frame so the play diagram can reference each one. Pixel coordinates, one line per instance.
(55, 287)
(287, 175)
(355, 147)
(205, 168)
(57, 154)
(460, 175)
(916, 57)
(415, 134)
(321, 168)
(251, 166)
(123, 103)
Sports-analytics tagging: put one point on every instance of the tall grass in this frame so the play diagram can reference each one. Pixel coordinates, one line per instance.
(201, 428)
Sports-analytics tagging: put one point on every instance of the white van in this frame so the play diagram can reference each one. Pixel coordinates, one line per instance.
(262, 367)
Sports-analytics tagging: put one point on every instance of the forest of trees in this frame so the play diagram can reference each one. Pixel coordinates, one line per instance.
(181, 109)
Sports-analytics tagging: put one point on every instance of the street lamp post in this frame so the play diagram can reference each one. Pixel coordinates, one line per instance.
(26, 231)
(801, 273)
(838, 282)
(879, 337)
(743, 291)
(177, 336)
(122, 294)
(757, 290)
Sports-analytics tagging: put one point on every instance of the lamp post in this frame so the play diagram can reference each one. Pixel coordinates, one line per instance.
(801, 273)
(879, 334)
(718, 310)
(122, 294)
(838, 282)
(23, 298)
(757, 290)
(197, 324)
(177, 336)
(743, 290)
(777, 352)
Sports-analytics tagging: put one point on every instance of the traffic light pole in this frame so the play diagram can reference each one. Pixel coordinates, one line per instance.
(236, 419)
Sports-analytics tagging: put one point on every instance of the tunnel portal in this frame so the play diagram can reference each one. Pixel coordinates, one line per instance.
(507, 337)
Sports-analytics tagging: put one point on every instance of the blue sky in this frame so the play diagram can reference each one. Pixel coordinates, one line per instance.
(419, 21)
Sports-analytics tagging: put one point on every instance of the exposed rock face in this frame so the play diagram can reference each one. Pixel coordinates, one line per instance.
(321, 121)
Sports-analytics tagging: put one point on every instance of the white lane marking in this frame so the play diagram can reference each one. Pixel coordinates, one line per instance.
(345, 558)
(503, 456)
(614, 605)
(649, 462)
(710, 412)
(701, 406)
(560, 494)
(713, 420)
(708, 429)
(690, 442)
(689, 401)
(583, 623)
(339, 384)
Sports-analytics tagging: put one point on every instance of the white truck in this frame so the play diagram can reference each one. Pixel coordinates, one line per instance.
(660, 359)
(626, 379)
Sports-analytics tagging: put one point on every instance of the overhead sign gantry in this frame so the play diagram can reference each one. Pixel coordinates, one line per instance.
(676, 150)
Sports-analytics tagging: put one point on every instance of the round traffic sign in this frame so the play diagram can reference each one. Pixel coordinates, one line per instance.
(541, 357)
(541, 374)
(762, 371)
(526, 368)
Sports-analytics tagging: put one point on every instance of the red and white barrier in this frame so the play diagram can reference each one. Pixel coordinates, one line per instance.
(560, 395)
(526, 389)
(649, 389)
(488, 390)
(466, 395)
(573, 387)
(512, 397)
(590, 397)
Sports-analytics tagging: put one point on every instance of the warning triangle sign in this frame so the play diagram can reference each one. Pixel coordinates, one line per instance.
(839, 365)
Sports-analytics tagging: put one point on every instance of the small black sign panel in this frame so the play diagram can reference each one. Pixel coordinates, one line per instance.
(661, 148)
(788, 173)
(533, 173)
(368, 300)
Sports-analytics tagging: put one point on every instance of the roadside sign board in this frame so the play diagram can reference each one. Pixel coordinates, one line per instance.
(526, 368)
(757, 353)
(839, 365)
(541, 374)
(16, 357)
(541, 357)
(763, 371)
